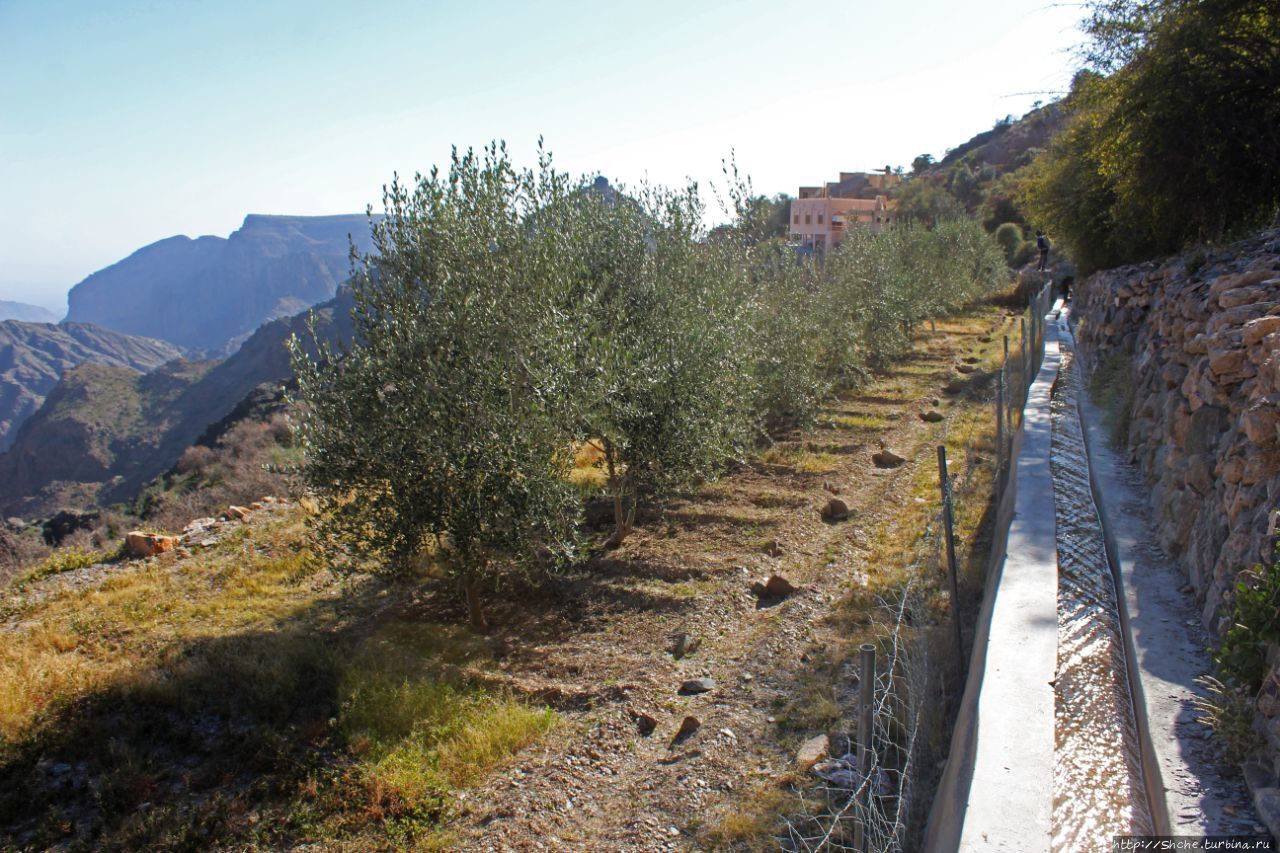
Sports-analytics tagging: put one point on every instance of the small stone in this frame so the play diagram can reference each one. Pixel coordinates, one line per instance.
(693, 686)
(776, 587)
(887, 458)
(773, 549)
(237, 512)
(811, 752)
(965, 368)
(831, 487)
(835, 510)
(931, 416)
(688, 726)
(140, 544)
(684, 644)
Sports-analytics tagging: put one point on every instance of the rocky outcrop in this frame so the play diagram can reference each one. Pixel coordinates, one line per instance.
(211, 293)
(33, 356)
(1201, 334)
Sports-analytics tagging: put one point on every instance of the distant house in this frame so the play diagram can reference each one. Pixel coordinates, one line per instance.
(820, 216)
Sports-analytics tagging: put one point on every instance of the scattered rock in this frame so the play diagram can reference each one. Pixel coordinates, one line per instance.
(953, 388)
(773, 549)
(694, 686)
(237, 512)
(931, 416)
(811, 752)
(140, 544)
(831, 487)
(835, 510)
(973, 359)
(256, 505)
(688, 726)
(965, 368)
(986, 339)
(775, 587)
(16, 523)
(887, 458)
(684, 644)
(934, 401)
(645, 723)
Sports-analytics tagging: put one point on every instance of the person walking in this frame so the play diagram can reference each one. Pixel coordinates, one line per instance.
(1042, 243)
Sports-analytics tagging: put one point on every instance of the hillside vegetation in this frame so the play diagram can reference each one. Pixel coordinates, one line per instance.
(1173, 132)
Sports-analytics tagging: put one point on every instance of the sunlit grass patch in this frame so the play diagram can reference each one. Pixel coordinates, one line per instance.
(800, 458)
(857, 421)
(417, 729)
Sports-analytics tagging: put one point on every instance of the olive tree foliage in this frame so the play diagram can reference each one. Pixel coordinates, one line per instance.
(784, 292)
(662, 370)
(879, 286)
(439, 429)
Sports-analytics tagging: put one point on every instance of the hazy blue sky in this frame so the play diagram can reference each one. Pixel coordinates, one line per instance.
(125, 122)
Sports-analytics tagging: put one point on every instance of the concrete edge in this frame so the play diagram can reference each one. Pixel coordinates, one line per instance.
(950, 808)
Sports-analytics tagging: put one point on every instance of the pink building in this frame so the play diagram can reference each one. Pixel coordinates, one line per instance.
(820, 216)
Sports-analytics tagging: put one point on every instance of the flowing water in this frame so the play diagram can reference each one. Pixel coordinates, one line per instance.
(1097, 778)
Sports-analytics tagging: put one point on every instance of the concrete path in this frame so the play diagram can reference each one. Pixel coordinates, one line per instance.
(997, 790)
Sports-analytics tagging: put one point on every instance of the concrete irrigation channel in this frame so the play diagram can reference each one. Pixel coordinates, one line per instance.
(1071, 731)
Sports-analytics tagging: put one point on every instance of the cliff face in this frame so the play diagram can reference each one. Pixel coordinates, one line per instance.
(34, 355)
(1202, 336)
(211, 293)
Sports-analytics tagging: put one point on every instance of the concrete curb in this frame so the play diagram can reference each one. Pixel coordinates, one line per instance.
(997, 790)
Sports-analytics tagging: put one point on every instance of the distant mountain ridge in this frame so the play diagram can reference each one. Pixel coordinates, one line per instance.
(33, 356)
(104, 432)
(211, 293)
(25, 313)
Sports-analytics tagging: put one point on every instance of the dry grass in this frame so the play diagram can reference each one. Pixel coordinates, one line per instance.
(170, 680)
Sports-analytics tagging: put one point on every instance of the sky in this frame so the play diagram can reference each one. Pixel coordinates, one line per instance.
(126, 122)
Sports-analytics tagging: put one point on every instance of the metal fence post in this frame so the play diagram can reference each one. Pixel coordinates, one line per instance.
(944, 482)
(866, 707)
(999, 433)
(1026, 369)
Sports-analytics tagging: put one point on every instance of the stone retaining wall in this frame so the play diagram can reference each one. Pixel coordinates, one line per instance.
(1201, 337)
(1201, 333)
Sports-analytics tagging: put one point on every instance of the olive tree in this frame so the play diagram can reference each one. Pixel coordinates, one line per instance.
(663, 379)
(442, 427)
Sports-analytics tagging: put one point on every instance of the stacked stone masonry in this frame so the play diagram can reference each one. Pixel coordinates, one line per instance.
(1201, 333)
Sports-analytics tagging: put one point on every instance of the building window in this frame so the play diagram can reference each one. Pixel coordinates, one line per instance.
(796, 219)
(819, 218)
(808, 219)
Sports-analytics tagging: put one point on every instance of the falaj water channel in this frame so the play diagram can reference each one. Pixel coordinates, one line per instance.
(1098, 787)
(1078, 722)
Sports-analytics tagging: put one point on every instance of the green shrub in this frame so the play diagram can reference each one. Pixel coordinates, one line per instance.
(63, 560)
(1009, 236)
(1242, 654)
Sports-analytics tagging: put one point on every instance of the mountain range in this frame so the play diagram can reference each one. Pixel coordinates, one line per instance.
(26, 313)
(33, 356)
(210, 293)
(107, 430)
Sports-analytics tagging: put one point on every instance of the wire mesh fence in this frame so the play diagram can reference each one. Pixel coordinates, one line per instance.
(873, 792)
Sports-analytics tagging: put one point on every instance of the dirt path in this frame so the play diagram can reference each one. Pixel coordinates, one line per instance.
(602, 654)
